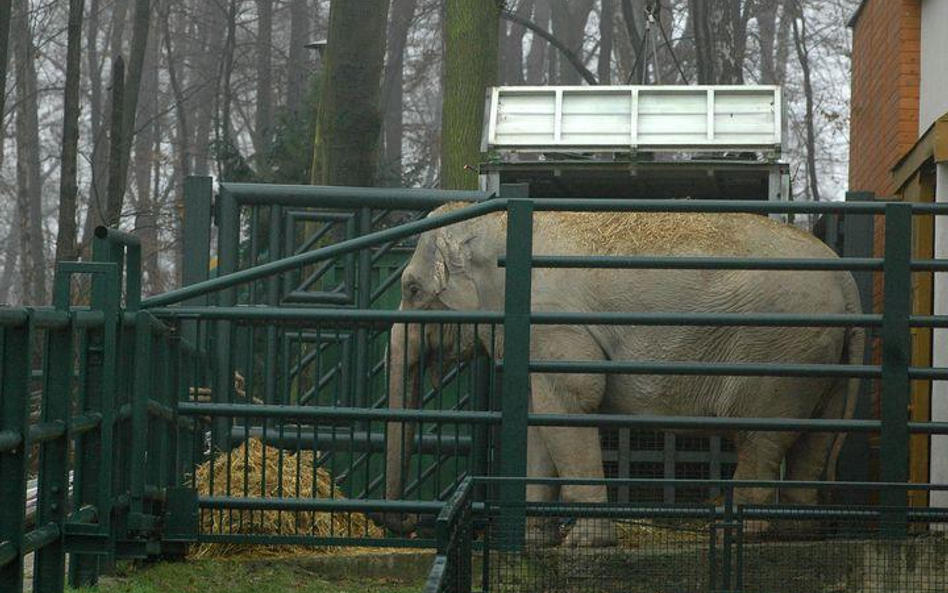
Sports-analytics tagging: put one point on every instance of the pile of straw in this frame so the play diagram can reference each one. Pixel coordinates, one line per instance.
(294, 477)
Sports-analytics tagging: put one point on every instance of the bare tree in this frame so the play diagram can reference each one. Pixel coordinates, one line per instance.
(606, 36)
(402, 14)
(470, 67)
(297, 65)
(569, 26)
(28, 168)
(349, 122)
(798, 24)
(536, 57)
(264, 117)
(68, 182)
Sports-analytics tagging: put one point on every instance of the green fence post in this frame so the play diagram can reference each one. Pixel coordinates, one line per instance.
(227, 253)
(896, 354)
(92, 481)
(515, 404)
(138, 466)
(14, 421)
(53, 479)
(198, 198)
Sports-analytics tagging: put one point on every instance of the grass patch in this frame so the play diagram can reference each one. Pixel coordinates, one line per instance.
(238, 576)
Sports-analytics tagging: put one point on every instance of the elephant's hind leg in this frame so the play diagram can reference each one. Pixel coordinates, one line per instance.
(541, 531)
(759, 455)
(576, 452)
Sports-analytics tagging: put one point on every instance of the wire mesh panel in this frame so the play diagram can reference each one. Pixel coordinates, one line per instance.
(843, 549)
(579, 548)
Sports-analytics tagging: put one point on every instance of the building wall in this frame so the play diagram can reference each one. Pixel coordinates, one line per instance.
(885, 91)
(933, 96)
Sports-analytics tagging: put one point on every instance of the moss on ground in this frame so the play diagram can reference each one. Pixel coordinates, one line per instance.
(238, 576)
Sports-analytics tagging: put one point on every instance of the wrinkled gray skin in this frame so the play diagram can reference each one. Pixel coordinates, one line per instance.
(455, 268)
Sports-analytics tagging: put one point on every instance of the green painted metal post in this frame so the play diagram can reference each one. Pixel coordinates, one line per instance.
(14, 417)
(896, 355)
(141, 385)
(198, 199)
(53, 479)
(93, 474)
(227, 247)
(515, 404)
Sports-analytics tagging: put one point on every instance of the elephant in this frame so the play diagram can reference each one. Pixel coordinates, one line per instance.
(455, 268)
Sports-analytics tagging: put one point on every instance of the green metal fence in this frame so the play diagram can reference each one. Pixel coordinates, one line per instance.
(137, 393)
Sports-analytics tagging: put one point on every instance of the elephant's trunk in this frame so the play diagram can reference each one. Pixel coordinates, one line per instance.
(403, 357)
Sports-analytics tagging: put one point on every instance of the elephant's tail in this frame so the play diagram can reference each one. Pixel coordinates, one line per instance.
(853, 354)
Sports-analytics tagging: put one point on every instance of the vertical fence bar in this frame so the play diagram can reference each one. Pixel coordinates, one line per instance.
(896, 346)
(53, 479)
(14, 417)
(138, 468)
(93, 455)
(227, 249)
(198, 197)
(515, 403)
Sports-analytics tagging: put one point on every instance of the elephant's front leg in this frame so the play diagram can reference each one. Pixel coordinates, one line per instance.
(576, 452)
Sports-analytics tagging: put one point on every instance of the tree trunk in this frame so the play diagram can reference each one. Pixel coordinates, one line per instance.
(6, 9)
(101, 134)
(633, 14)
(116, 187)
(606, 35)
(264, 117)
(182, 140)
(68, 184)
(512, 46)
(783, 41)
(569, 26)
(536, 57)
(470, 67)
(403, 12)
(803, 55)
(704, 56)
(145, 142)
(136, 63)
(29, 173)
(211, 27)
(349, 122)
(767, 27)
(298, 66)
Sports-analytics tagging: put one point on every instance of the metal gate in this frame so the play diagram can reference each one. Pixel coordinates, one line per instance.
(144, 398)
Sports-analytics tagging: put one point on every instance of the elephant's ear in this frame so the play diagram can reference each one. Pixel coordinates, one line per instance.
(453, 273)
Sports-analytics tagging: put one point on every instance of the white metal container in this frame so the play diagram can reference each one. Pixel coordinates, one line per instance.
(634, 118)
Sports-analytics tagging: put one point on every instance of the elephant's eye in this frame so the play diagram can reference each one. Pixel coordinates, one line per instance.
(413, 290)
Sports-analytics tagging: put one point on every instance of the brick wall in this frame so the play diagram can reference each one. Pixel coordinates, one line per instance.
(884, 121)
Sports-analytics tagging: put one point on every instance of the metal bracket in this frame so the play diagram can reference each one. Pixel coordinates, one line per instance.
(181, 515)
(85, 538)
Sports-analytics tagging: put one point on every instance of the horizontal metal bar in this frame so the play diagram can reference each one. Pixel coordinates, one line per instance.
(10, 440)
(8, 552)
(717, 206)
(86, 514)
(618, 512)
(293, 196)
(262, 314)
(710, 424)
(929, 265)
(707, 319)
(13, 316)
(324, 253)
(82, 424)
(720, 369)
(46, 431)
(702, 263)
(39, 538)
(319, 505)
(159, 410)
(706, 482)
(929, 373)
(337, 414)
(48, 318)
(343, 439)
(306, 540)
(116, 236)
